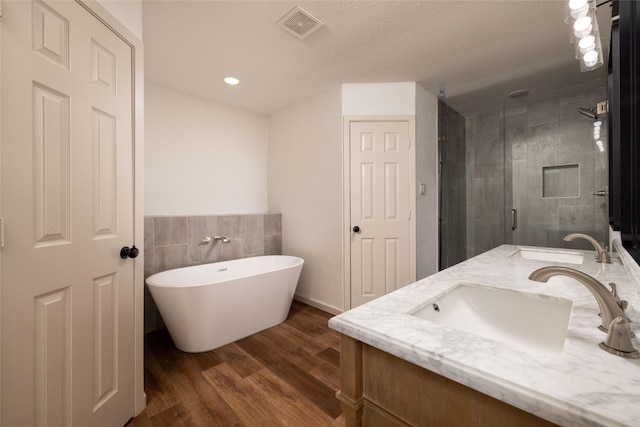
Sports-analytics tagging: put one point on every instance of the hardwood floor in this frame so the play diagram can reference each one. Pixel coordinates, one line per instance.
(285, 376)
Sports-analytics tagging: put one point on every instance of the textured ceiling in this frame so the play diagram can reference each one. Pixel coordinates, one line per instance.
(479, 50)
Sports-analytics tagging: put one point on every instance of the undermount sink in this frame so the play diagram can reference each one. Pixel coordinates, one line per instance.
(531, 322)
(550, 255)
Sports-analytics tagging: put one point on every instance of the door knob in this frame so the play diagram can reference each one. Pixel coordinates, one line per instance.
(129, 252)
(356, 229)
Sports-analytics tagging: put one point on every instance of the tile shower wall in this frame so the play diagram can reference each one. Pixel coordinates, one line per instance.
(507, 153)
(176, 241)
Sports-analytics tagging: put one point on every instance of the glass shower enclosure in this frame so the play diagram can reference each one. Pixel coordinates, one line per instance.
(534, 172)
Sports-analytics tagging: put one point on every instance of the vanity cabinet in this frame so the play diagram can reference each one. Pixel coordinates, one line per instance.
(380, 390)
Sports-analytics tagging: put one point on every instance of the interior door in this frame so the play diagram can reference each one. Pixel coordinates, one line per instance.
(68, 346)
(380, 208)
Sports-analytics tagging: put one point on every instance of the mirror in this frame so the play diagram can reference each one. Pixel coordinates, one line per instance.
(534, 171)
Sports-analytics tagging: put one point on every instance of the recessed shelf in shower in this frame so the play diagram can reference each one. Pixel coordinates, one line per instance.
(561, 181)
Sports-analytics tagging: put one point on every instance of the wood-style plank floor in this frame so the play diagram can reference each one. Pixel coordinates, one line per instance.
(284, 376)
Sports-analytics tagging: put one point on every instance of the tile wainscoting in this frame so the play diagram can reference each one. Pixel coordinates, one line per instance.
(176, 241)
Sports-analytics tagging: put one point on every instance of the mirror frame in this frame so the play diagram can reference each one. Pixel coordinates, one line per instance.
(624, 124)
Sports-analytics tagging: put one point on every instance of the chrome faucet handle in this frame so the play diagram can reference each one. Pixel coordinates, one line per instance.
(618, 339)
(601, 249)
(603, 256)
(614, 291)
(206, 240)
(223, 239)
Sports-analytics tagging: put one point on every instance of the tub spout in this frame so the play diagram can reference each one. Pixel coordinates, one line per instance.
(603, 255)
(223, 239)
(609, 307)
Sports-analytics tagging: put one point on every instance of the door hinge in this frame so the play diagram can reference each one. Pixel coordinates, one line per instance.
(409, 143)
(409, 214)
(1, 232)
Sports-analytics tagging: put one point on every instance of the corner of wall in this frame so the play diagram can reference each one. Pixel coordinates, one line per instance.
(305, 185)
(426, 174)
(129, 13)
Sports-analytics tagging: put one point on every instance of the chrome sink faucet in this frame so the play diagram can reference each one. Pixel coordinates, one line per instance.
(603, 254)
(606, 301)
(618, 339)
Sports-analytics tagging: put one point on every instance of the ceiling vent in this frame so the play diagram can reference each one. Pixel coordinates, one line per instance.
(299, 22)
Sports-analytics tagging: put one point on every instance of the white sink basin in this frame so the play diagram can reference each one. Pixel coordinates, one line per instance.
(531, 322)
(550, 255)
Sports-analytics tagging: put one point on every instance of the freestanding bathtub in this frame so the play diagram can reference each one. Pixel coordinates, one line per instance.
(207, 306)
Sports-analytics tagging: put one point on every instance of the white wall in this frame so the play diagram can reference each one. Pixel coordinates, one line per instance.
(364, 99)
(202, 157)
(305, 185)
(427, 229)
(128, 12)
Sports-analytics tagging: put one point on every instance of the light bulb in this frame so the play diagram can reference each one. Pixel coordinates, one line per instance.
(577, 4)
(587, 42)
(590, 58)
(231, 81)
(580, 12)
(598, 123)
(582, 27)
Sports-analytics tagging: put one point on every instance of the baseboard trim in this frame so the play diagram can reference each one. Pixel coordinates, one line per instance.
(320, 306)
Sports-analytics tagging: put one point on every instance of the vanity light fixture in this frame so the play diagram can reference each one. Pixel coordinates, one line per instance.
(584, 33)
(231, 81)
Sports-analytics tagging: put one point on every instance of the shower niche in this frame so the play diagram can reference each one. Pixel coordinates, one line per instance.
(561, 181)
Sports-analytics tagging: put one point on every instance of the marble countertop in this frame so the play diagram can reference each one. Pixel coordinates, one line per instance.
(583, 386)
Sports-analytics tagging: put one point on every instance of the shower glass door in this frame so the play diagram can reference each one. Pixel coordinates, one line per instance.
(555, 170)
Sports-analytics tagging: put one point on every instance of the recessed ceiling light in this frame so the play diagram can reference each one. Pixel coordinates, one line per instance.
(231, 81)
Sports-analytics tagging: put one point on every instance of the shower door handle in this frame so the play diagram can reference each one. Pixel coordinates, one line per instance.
(514, 218)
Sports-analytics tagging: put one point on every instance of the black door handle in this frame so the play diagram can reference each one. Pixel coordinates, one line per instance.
(129, 252)
(356, 229)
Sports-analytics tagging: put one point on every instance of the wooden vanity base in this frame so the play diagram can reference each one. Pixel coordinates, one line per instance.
(380, 390)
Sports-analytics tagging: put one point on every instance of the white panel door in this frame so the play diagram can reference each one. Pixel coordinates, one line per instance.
(380, 208)
(67, 198)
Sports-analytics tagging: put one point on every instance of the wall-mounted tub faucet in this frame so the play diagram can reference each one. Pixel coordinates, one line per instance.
(614, 320)
(603, 254)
